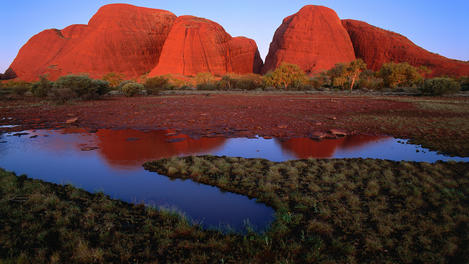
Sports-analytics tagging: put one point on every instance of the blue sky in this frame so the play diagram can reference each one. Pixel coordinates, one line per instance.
(436, 25)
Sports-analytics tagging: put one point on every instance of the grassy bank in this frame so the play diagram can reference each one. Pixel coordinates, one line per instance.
(47, 223)
(347, 211)
(328, 211)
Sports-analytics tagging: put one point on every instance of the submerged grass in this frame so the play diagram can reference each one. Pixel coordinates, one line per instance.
(327, 211)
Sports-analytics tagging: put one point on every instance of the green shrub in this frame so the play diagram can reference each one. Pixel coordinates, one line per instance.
(440, 86)
(242, 82)
(400, 75)
(286, 76)
(464, 82)
(249, 82)
(81, 86)
(132, 88)
(41, 88)
(17, 88)
(205, 81)
(154, 85)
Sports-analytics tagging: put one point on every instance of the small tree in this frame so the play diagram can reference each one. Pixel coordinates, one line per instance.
(286, 76)
(353, 71)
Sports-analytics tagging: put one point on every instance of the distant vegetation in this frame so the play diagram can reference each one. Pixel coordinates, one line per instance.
(392, 77)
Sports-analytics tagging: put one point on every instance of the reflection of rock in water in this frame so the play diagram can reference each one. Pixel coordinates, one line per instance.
(304, 148)
(116, 149)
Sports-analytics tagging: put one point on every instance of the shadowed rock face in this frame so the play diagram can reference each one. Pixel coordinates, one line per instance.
(118, 38)
(313, 38)
(199, 45)
(377, 46)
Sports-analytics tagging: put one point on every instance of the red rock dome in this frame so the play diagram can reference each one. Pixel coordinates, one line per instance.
(377, 46)
(199, 45)
(313, 38)
(118, 38)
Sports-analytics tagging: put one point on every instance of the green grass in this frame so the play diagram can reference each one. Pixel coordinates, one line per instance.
(327, 211)
(347, 211)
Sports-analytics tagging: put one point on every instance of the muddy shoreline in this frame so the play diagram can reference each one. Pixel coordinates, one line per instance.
(249, 115)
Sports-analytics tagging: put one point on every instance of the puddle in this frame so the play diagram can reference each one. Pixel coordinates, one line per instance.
(111, 161)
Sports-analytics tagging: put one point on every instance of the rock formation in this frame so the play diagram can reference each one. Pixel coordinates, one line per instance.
(118, 38)
(199, 45)
(313, 38)
(377, 46)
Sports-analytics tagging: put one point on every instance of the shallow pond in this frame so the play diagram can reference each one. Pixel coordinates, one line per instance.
(111, 161)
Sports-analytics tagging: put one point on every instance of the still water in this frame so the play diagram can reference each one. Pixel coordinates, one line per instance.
(111, 161)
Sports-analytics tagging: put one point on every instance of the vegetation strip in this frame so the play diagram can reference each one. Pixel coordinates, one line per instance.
(351, 210)
(348, 211)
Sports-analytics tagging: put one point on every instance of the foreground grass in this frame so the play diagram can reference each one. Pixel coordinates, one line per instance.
(47, 223)
(328, 211)
(347, 211)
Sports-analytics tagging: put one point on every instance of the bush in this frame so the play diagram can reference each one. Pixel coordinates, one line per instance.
(205, 81)
(131, 89)
(14, 89)
(286, 76)
(41, 88)
(114, 79)
(464, 82)
(154, 85)
(249, 82)
(242, 82)
(400, 75)
(80, 86)
(440, 86)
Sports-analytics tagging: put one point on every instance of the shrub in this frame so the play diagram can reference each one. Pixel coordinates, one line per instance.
(114, 79)
(205, 81)
(318, 81)
(243, 82)
(156, 84)
(286, 76)
(132, 88)
(41, 88)
(82, 86)
(16, 88)
(400, 75)
(249, 82)
(440, 86)
(369, 80)
(464, 82)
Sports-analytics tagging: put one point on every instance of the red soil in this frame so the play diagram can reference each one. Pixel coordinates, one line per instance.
(228, 115)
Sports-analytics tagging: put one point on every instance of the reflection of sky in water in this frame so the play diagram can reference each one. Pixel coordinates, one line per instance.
(115, 168)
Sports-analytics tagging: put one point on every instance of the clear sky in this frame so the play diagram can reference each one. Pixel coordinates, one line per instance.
(440, 26)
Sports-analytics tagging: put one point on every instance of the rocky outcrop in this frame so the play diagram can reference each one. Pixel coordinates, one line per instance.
(118, 38)
(199, 45)
(313, 38)
(377, 46)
